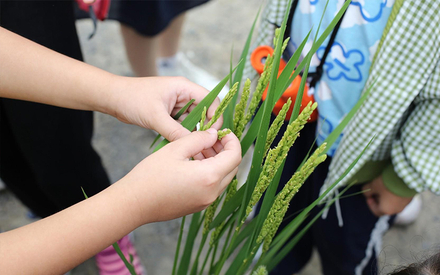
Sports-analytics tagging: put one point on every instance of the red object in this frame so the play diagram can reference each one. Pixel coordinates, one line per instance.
(258, 57)
(100, 8)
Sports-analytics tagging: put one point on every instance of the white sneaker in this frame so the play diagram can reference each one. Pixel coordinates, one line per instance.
(410, 213)
(184, 67)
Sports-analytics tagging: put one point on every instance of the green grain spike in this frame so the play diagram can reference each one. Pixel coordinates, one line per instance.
(276, 156)
(240, 109)
(202, 120)
(261, 86)
(276, 125)
(281, 203)
(230, 192)
(283, 48)
(222, 133)
(209, 215)
(261, 270)
(221, 108)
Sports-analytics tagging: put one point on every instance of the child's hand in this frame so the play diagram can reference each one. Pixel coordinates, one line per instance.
(151, 102)
(168, 185)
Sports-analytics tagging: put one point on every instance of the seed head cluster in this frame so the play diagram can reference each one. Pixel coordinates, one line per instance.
(202, 120)
(230, 192)
(222, 133)
(221, 108)
(261, 270)
(276, 125)
(276, 156)
(261, 86)
(239, 122)
(209, 215)
(281, 203)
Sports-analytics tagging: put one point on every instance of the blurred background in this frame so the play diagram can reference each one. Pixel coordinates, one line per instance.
(210, 32)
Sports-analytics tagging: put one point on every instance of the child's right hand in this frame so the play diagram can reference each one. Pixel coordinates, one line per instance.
(168, 185)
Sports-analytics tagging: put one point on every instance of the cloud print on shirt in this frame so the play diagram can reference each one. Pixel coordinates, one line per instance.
(308, 7)
(342, 64)
(357, 13)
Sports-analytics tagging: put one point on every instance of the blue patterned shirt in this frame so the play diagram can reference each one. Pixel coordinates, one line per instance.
(347, 65)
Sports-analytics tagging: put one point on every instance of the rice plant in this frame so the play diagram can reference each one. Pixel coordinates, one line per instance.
(232, 243)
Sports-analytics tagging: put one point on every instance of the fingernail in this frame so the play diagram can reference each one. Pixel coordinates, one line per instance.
(212, 131)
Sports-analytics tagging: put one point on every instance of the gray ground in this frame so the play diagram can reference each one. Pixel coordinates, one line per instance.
(209, 34)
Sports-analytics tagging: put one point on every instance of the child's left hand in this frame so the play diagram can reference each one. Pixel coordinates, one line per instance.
(151, 102)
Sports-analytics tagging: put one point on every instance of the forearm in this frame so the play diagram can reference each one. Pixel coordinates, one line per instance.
(32, 72)
(60, 242)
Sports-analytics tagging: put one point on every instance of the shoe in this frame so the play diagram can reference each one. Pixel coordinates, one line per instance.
(109, 262)
(410, 213)
(182, 66)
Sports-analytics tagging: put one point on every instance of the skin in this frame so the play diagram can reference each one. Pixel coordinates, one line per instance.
(142, 50)
(382, 201)
(163, 186)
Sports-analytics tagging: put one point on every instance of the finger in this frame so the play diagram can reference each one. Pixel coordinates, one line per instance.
(209, 153)
(194, 143)
(227, 180)
(218, 147)
(168, 127)
(229, 158)
(189, 90)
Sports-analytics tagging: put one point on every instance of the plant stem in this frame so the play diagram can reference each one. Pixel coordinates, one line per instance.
(213, 258)
(179, 241)
(206, 260)
(202, 244)
(224, 256)
(228, 237)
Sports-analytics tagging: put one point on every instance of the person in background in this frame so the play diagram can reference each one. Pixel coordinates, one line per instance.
(391, 46)
(152, 31)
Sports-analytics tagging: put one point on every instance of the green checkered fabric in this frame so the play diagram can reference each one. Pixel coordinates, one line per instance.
(403, 109)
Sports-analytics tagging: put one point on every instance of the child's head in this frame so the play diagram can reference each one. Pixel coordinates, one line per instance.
(430, 266)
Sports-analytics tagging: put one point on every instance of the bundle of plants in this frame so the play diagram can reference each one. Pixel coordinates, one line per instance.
(226, 244)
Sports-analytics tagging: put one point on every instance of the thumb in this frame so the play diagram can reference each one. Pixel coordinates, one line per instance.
(169, 128)
(194, 143)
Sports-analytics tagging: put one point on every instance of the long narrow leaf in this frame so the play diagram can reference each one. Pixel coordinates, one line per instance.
(187, 252)
(229, 112)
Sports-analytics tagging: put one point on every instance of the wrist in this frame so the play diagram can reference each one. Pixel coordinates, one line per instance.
(111, 97)
(138, 203)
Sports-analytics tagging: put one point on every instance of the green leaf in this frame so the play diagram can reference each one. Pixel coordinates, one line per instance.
(187, 252)
(229, 113)
(179, 242)
(265, 121)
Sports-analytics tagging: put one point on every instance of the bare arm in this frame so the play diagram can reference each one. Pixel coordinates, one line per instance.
(32, 72)
(164, 186)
